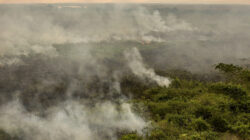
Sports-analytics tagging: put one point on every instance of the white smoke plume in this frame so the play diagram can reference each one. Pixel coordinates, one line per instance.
(27, 31)
(187, 33)
(135, 63)
(70, 120)
(74, 97)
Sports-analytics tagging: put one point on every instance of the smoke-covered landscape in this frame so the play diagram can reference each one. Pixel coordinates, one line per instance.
(124, 72)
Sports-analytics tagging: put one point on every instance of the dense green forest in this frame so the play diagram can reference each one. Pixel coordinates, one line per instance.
(196, 109)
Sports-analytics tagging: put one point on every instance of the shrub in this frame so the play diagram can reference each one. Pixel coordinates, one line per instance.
(242, 130)
(4, 136)
(176, 83)
(233, 91)
(157, 134)
(219, 124)
(176, 107)
(160, 134)
(210, 135)
(204, 112)
(180, 120)
(240, 106)
(131, 137)
(228, 68)
(165, 94)
(235, 73)
(200, 125)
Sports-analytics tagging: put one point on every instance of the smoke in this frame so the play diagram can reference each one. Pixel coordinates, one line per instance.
(64, 92)
(191, 37)
(70, 120)
(27, 29)
(135, 63)
(66, 65)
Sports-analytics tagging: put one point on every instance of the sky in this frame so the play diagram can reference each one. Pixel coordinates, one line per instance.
(131, 1)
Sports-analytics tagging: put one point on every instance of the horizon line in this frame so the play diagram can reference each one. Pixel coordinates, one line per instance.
(246, 4)
(209, 2)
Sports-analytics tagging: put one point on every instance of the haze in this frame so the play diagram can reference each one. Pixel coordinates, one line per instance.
(131, 1)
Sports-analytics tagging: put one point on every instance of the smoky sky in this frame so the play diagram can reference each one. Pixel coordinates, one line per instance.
(131, 1)
(61, 65)
(193, 37)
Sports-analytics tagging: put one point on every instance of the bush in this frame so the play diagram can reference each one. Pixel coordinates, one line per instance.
(175, 107)
(242, 130)
(131, 137)
(195, 137)
(165, 94)
(219, 124)
(233, 91)
(157, 134)
(228, 68)
(4, 136)
(235, 73)
(209, 135)
(240, 106)
(180, 120)
(204, 112)
(176, 83)
(200, 125)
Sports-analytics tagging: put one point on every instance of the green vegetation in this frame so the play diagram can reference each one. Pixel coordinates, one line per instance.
(192, 109)
(4, 136)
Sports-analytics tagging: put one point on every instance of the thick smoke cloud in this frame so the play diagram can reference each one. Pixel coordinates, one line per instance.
(34, 29)
(64, 88)
(192, 37)
(70, 96)
(70, 120)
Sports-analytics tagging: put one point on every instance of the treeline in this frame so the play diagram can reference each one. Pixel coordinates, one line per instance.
(192, 109)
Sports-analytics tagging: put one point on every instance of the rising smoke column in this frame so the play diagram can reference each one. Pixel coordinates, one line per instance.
(135, 63)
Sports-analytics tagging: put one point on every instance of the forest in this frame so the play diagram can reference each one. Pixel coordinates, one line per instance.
(191, 108)
(196, 109)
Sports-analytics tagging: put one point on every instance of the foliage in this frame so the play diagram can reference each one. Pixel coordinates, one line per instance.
(201, 125)
(131, 137)
(4, 136)
(191, 109)
(235, 73)
(233, 91)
